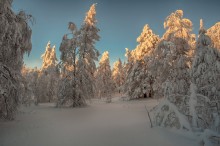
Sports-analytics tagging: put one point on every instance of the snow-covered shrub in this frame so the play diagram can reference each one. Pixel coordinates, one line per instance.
(169, 112)
(166, 114)
(209, 138)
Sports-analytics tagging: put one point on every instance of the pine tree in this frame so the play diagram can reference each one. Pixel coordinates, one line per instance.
(118, 75)
(104, 81)
(15, 40)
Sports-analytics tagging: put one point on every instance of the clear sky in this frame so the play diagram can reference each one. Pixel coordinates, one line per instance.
(120, 21)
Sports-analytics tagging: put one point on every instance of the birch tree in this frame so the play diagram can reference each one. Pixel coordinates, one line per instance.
(15, 40)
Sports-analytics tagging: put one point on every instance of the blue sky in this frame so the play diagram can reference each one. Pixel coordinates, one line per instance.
(120, 21)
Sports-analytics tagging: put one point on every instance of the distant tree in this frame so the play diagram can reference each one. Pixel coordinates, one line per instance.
(118, 75)
(15, 40)
(105, 84)
(128, 68)
(49, 58)
(49, 76)
(129, 63)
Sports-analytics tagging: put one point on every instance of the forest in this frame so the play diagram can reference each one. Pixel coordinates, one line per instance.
(176, 77)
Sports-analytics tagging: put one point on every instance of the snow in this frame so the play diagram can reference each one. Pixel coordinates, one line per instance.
(120, 123)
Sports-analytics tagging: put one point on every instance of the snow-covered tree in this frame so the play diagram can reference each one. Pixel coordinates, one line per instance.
(205, 75)
(48, 75)
(214, 33)
(134, 83)
(146, 43)
(104, 82)
(49, 58)
(139, 80)
(172, 61)
(130, 61)
(50, 68)
(162, 65)
(88, 54)
(118, 75)
(15, 40)
(127, 68)
(68, 89)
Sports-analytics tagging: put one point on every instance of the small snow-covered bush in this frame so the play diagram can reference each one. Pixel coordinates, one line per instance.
(209, 138)
(166, 114)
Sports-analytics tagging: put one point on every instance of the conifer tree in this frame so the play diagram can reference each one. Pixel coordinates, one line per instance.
(104, 81)
(172, 61)
(139, 80)
(118, 75)
(205, 75)
(48, 75)
(214, 33)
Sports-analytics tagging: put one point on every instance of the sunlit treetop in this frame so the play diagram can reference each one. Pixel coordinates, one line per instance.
(90, 16)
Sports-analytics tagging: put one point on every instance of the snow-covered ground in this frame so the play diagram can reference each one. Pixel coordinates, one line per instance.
(121, 123)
